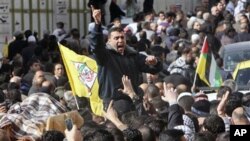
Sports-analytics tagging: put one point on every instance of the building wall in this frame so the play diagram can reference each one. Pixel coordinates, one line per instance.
(41, 15)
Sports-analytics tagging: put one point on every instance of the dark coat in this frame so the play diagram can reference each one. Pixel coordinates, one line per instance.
(16, 47)
(115, 11)
(112, 66)
(175, 116)
(243, 36)
(148, 6)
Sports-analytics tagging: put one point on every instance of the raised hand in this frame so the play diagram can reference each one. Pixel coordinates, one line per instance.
(112, 115)
(96, 14)
(170, 95)
(222, 104)
(127, 87)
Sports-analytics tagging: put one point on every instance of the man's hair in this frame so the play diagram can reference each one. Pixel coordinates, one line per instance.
(89, 127)
(143, 34)
(99, 135)
(161, 12)
(246, 99)
(60, 24)
(75, 33)
(214, 124)
(157, 51)
(138, 17)
(170, 14)
(27, 33)
(132, 119)
(18, 71)
(152, 91)
(186, 50)
(171, 135)
(114, 29)
(213, 107)
(33, 61)
(222, 90)
(157, 39)
(159, 105)
(204, 136)
(52, 135)
(225, 136)
(2, 97)
(157, 126)
(181, 88)
(117, 19)
(132, 134)
(186, 102)
(232, 104)
(14, 95)
(17, 61)
(147, 133)
(231, 84)
(118, 135)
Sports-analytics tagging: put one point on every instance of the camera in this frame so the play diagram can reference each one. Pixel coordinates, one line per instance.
(69, 123)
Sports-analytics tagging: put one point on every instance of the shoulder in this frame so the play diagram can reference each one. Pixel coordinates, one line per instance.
(130, 50)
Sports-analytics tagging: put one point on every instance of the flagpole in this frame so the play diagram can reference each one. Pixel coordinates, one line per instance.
(77, 105)
(195, 77)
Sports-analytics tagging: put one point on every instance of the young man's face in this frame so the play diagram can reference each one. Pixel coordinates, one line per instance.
(117, 23)
(117, 41)
(197, 26)
(162, 16)
(39, 77)
(220, 7)
(35, 67)
(59, 71)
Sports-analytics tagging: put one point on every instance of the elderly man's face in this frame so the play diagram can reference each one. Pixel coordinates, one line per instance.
(39, 78)
(215, 11)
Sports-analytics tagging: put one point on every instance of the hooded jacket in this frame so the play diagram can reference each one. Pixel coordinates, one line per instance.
(112, 66)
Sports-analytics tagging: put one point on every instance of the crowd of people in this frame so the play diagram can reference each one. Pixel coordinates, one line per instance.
(146, 72)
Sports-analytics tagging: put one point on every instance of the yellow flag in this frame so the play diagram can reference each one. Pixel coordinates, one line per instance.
(82, 73)
(5, 48)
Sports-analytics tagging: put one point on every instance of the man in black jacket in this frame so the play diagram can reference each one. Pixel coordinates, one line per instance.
(116, 59)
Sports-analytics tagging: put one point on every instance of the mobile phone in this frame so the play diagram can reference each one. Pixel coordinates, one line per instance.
(69, 123)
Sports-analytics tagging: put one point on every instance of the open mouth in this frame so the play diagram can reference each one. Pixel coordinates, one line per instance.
(120, 47)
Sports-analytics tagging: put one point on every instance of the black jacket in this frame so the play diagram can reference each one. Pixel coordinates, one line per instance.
(115, 11)
(175, 116)
(112, 66)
